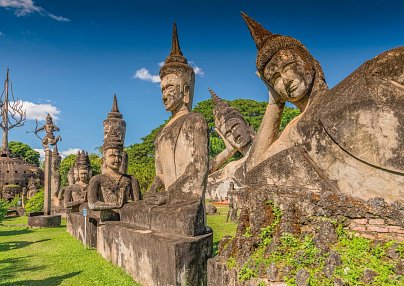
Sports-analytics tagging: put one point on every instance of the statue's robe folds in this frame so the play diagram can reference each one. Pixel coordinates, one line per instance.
(74, 196)
(106, 196)
(349, 140)
(182, 169)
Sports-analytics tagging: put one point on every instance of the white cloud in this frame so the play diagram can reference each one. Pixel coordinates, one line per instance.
(63, 154)
(41, 153)
(69, 151)
(197, 70)
(40, 110)
(26, 7)
(144, 74)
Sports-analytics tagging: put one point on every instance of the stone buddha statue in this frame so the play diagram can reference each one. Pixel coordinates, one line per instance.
(110, 190)
(290, 73)
(75, 194)
(346, 139)
(232, 128)
(238, 137)
(174, 203)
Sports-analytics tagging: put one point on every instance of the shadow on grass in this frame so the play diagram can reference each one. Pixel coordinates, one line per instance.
(50, 281)
(15, 232)
(11, 245)
(13, 267)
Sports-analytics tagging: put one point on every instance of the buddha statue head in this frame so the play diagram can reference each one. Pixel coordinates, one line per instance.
(177, 78)
(83, 167)
(114, 135)
(285, 65)
(230, 123)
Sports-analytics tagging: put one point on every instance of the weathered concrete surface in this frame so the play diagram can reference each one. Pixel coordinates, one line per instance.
(44, 221)
(75, 226)
(187, 219)
(155, 259)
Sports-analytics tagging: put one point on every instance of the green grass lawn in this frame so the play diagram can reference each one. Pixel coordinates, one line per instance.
(50, 256)
(220, 226)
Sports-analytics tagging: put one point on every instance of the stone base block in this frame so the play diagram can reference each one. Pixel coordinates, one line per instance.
(153, 258)
(76, 223)
(60, 211)
(44, 220)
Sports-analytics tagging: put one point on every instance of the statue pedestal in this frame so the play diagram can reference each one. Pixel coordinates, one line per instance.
(153, 258)
(41, 220)
(76, 223)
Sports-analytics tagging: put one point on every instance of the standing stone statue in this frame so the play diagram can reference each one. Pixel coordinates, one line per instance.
(174, 203)
(110, 190)
(49, 128)
(76, 194)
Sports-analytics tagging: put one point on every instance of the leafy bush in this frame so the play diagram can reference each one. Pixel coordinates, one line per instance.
(3, 210)
(35, 204)
(14, 202)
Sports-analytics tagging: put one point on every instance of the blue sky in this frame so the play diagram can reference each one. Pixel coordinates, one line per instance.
(69, 57)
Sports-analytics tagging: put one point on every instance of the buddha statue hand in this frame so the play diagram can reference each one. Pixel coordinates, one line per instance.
(156, 198)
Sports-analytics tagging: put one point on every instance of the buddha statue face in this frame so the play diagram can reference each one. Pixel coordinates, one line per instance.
(290, 75)
(113, 158)
(236, 131)
(175, 92)
(83, 174)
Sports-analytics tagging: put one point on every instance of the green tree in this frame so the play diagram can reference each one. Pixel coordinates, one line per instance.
(35, 204)
(24, 151)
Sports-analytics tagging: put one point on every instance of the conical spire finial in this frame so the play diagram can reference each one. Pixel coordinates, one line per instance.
(258, 32)
(216, 99)
(175, 46)
(115, 105)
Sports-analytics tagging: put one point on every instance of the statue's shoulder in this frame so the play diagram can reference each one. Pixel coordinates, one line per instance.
(73, 188)
(98, 178)
(196, 121)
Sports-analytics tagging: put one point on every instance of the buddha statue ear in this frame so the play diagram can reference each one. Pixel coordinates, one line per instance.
(186, 98)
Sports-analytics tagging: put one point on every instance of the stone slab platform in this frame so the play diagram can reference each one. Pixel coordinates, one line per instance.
(156, 259)
(44, 221)
(75, 226)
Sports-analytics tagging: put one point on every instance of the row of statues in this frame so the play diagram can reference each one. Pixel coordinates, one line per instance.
(291, 74)
(346, 139)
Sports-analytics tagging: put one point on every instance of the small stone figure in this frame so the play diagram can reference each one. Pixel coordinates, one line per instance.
(233, 204)
(49, 128)
(110, 190)
(76, 194)
(32, 188)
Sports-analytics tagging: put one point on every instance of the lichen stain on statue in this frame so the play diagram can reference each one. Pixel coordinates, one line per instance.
(110, 190)
(75, 193)
(238, 136)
